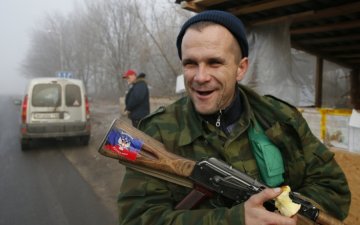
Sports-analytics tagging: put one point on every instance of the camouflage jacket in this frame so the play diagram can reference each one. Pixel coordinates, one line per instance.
(309, 166)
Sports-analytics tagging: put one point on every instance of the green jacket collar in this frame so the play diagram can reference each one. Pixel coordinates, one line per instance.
(195, 124)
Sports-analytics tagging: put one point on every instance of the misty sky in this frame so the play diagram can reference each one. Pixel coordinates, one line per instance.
(17, 19)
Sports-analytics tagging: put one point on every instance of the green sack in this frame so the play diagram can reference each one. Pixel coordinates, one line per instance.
(267, 155)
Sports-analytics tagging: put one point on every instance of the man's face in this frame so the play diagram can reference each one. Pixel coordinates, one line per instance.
(131, 78)
(211, 66)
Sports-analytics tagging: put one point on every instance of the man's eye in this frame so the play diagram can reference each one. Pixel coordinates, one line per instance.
(188, 63)
(215, 62)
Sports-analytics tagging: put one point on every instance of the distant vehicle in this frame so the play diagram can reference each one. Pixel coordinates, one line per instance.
(55, 108)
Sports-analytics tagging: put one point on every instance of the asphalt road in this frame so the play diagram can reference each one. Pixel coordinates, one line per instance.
(58, 181)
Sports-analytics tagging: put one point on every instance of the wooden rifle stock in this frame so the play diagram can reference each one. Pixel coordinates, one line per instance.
(153, 153)
(324, 218)
(153, 159)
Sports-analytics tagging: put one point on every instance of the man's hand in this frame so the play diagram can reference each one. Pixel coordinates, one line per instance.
(255, 212)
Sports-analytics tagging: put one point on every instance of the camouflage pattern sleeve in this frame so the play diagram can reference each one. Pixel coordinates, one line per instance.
(146, 200)
(324, 181)
(310, 167)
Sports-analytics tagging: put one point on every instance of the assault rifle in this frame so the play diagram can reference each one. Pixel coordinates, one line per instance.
(140, 152)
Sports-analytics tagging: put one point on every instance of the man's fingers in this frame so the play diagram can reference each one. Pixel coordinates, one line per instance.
(264, 196)
(275, 218)
(255, 213)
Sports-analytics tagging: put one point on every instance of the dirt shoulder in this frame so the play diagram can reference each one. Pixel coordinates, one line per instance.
(103, 174)
(350, 163)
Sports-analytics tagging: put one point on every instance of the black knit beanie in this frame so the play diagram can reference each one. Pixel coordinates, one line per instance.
(228, 20)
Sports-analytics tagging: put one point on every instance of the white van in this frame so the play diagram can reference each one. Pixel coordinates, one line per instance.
(55, 107)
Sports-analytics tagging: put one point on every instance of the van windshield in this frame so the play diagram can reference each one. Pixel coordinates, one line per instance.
(46, 95)
(72, 95)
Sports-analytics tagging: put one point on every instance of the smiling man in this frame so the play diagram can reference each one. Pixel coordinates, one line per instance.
(262, 136)
(211, 67)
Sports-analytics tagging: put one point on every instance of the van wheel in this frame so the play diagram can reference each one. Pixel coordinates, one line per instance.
(84, 140)
(25, 144)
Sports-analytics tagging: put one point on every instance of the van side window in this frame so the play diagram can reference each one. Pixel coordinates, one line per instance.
(46, 95)
(72, 95)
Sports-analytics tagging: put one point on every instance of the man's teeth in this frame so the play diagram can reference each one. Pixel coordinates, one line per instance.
(204, 92)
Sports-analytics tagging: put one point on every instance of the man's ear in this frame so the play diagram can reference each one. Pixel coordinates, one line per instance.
(242, 68)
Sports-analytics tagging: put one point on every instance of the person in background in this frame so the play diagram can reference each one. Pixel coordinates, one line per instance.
(137, 103)
(262, 136)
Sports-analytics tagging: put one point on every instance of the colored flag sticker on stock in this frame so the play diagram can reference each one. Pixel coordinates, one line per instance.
(123, 144)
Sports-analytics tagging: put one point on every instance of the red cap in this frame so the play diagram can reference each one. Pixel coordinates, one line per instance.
(129, 73)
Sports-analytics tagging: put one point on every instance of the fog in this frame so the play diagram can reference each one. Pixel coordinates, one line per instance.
(17, 19)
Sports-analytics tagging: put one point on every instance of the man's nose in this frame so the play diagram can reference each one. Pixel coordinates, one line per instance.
(202, 74)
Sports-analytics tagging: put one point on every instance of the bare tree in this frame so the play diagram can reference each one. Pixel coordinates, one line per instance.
(161, 26)
(116, 32)
(45, 56)
(101, 41)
